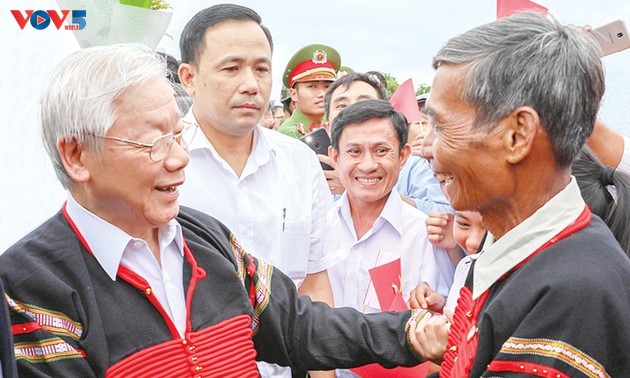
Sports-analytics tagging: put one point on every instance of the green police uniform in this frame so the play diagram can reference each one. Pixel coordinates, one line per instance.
(297, 125)
(310, 63)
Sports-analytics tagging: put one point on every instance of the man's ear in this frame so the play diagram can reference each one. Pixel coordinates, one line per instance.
(404, 155)
(521, 129)
(73, 157)
(186, 73)
(293, 92)
(334, 157)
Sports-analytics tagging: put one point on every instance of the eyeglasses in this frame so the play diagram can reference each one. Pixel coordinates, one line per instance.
(278, 117)
(161, 146)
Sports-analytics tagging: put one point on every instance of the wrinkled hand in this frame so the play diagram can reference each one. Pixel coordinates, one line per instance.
(430, 337)
(423, 297)
(440, 229)
(332, 177)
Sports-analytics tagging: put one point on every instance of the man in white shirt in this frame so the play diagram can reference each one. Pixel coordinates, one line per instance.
(266, 187)
(368, 149)
(415, 182)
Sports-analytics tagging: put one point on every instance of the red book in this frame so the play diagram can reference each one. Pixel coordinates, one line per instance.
(386, 279)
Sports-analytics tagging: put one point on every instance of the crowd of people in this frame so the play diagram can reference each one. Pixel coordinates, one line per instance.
(201, 237)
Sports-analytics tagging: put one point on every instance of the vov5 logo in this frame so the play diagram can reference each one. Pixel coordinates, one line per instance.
(40, 19)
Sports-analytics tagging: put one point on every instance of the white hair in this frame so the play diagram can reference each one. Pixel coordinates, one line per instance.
(77, 100)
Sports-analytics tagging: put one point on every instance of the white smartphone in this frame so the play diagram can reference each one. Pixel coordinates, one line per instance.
(612, 37)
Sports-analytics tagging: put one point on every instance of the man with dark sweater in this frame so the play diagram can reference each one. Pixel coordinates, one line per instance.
(512, 103)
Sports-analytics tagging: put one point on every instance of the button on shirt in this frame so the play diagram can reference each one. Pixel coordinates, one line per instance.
(112, 247)
(277, 208)
(399, 232)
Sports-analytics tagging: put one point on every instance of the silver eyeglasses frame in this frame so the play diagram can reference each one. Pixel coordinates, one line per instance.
(165, 140)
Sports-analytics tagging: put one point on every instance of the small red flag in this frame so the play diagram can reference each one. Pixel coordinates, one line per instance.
(404, 100)
(387, 284)
(507, 8)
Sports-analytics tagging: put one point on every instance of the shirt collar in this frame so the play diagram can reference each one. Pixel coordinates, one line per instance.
(108, 242)
(200, 141)
(391, 213)
(498, 257)
(262, 148)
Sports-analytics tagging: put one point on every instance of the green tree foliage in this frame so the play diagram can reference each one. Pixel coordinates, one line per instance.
(423, 88)
(392, 83)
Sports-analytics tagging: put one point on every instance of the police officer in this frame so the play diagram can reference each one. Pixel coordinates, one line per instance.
(308, 75)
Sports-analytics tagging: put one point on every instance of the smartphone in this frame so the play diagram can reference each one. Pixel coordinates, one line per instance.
(612, 37)
(318, 140)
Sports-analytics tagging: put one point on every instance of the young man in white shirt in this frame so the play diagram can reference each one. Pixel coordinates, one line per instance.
(368, 149)
(266, 187)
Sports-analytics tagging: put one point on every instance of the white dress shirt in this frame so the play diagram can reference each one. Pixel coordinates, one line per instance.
(461, 273)
(399, 232)
(277, 208)
(112, 247)
(499, 256)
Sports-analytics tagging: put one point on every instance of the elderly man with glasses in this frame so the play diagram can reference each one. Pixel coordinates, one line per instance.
(123, 282)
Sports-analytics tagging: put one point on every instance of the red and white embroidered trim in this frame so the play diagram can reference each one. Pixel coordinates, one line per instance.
(557, 350)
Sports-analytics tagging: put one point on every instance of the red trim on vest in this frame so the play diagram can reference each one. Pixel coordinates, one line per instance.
(225, 349)
(461, 346)
(19, 329)
(581, 222)
(74, 228)
(527, 368)
(251, 271)
(197, 274)
(141, 284)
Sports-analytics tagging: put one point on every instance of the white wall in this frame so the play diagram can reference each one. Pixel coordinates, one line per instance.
(30, 192)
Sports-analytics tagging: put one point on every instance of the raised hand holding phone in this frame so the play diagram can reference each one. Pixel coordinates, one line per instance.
(318, 140)
(612, 37)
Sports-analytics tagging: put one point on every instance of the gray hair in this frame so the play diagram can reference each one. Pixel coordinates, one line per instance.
(77, 100)
(530, 60)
